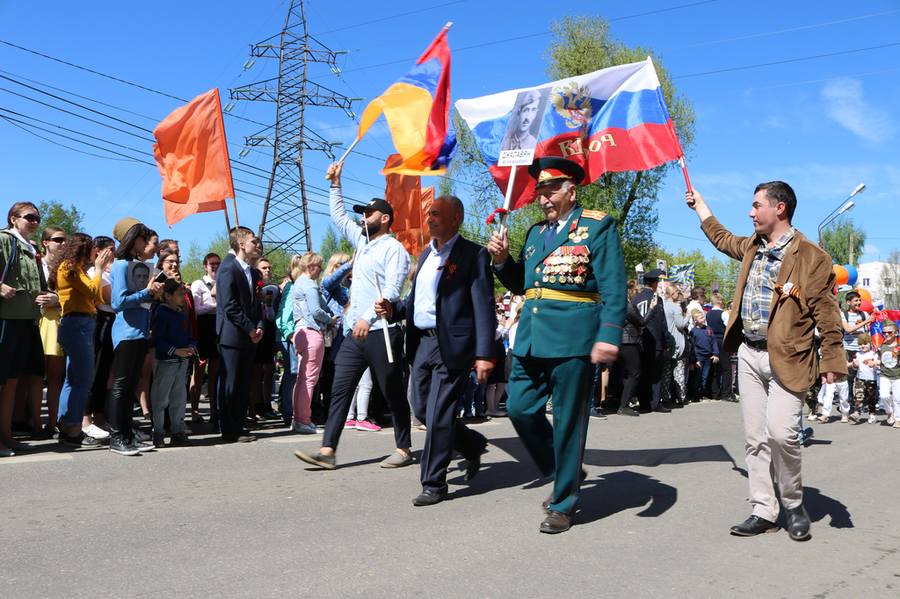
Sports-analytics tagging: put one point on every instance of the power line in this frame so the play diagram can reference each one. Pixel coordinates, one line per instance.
(47, 139)
(388, 18)
(751, 36)
(536, 34)
(787, 61)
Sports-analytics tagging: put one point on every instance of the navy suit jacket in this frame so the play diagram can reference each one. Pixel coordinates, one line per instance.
(237, 306)
(465, 311)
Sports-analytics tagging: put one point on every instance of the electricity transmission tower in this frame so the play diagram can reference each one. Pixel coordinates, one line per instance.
(285, 217)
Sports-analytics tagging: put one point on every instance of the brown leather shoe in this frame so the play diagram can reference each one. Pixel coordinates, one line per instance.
(556, 522)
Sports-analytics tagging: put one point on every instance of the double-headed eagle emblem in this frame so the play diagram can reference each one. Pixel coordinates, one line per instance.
(573, 103)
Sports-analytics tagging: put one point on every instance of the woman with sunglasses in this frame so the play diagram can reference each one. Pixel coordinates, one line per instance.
(53, 240)
(23, 289)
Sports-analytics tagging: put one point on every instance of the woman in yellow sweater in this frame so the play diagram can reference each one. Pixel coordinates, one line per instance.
(79, 296)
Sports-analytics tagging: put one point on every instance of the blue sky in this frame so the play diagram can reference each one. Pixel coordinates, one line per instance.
(824, 125)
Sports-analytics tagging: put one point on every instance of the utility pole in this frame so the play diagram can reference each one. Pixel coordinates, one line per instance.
(285, 217)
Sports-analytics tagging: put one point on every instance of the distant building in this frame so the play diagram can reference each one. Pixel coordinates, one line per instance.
(871, 277)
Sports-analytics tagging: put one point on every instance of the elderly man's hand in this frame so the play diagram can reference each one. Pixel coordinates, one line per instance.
(604, 353)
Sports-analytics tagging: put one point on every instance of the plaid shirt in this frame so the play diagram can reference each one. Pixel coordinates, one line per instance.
(757, 299)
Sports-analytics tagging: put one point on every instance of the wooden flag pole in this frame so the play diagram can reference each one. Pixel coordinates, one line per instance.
(384, 320)
(507, 200)
(227, 221)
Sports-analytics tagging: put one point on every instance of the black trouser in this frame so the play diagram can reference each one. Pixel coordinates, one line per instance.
(128, 361)
(352, 360)
(851, 372)
(721, 378)
(103, 359)
(651, 367)
(627, 372)
(235, 376)
(435, 390)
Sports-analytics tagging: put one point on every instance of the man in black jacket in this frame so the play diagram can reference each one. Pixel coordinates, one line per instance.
(239, 328)
(451, 322)
(653, 342)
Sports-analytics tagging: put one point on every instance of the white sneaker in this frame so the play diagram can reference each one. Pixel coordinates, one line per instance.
(95, 432)
(891, 421)
(872, 419)
(811, 416)
(845, 418)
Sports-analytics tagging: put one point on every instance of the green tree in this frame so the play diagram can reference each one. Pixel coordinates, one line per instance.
(844, 241)
(332, 244)
(54, 214)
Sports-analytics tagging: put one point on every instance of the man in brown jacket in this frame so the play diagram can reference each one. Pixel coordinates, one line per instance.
(784, 292)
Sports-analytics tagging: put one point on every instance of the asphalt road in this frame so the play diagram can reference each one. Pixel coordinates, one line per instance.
(253, 521)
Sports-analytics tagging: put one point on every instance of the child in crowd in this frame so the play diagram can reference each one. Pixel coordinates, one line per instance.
(174, 347)
(706, 351)
(864, 390)
(889, 386)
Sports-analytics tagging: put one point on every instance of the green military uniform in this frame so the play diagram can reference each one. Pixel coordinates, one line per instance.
(574, 287)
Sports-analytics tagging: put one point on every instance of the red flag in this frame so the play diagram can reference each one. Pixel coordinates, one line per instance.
(192, 157)
(410, 203)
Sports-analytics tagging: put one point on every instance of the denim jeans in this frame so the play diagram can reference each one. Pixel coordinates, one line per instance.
(703, 377)
(76, 335)
(286, 390)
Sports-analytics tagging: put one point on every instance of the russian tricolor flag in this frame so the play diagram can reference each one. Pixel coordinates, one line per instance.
(610, 120)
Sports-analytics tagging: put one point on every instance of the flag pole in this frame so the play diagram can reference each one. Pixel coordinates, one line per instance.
(687, 178)
(384, 321)
(344, 156)
(507, 200)
(227, 222)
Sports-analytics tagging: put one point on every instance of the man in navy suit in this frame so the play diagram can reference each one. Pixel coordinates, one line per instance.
(239, 328)
(451, 321)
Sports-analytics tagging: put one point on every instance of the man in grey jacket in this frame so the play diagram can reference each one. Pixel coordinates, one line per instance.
(673, 381)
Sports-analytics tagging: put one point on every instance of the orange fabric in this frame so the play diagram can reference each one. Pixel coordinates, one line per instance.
(410, 203)
(192, 156)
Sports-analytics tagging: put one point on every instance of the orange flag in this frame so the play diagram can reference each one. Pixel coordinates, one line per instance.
(410, 203)
(192, 157)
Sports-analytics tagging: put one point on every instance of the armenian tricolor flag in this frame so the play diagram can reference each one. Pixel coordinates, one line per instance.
(417, 111)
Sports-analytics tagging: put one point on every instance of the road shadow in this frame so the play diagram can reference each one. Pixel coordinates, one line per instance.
(818, 505)
(624, 490)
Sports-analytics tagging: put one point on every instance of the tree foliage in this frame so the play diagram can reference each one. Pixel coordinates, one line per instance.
(842, 239)
(54, 214)
(711, 273)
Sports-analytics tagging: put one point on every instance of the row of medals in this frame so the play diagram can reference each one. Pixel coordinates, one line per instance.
(570, 269)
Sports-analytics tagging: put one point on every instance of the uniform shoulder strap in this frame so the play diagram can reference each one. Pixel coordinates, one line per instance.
(593, 214)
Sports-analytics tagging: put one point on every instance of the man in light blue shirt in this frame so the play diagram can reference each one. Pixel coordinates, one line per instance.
(380, 260)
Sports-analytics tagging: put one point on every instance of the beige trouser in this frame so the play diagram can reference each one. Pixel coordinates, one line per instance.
(771, 415)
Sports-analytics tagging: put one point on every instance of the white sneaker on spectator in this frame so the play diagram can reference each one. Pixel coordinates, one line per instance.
(872, 419)
(95, 432)
(811, 416)
(845, 418)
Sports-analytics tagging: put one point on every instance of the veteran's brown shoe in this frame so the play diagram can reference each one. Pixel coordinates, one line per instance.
(556, 522)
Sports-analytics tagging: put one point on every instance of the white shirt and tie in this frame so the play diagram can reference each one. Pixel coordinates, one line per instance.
(425, 314)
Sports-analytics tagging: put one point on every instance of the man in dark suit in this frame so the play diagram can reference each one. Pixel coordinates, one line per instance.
(239, 328)
(451, 323)
(653, 342)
